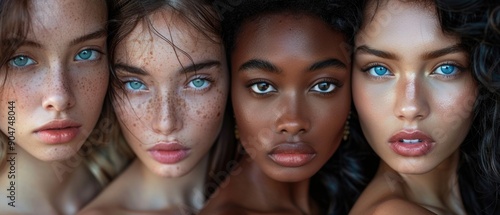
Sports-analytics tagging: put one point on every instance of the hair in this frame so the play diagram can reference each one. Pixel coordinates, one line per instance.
(98, 154)
(340, 181)
(127, 14)
(476, 23)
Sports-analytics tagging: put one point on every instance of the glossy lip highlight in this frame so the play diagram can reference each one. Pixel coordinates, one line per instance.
(169, 152)
(411, 143)
(58, 131)
(294, 154)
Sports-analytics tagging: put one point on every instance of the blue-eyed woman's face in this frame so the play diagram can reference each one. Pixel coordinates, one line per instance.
(412, 87)
(57, 78)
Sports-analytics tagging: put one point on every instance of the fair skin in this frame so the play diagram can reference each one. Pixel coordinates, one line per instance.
(291, 97)
(170, 110)
(415, 84)
(57, 80)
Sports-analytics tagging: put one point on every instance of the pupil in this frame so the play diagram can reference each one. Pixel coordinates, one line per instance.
(85, 54)
(263, 86)
(21, 61)
(447, 69)
(380, 70)
(198, 83)
(323, 86)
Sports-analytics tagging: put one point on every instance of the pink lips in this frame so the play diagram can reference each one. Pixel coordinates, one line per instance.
(58, 131)
(292, 154)
(411, 143)
(169, 153)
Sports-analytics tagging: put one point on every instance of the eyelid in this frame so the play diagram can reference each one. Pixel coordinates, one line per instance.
(11, 65)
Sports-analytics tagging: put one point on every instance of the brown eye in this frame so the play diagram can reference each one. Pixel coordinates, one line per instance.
(262, 88)
(324, 87)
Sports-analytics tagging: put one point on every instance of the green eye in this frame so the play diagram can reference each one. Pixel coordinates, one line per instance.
(21, 61)
(199, 83)
(87, 54)
(134, 85)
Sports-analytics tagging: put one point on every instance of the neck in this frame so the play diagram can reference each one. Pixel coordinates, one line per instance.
(437, 189)
(58, 187)
(157, 193)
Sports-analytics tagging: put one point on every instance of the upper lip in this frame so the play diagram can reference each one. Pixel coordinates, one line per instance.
(59, 124)
(168, 146)
(292, 148)
(410, 135)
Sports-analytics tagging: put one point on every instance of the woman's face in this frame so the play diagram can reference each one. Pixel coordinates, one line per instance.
(290, 92)
(412, 87)
(57, 79)
(174, 96)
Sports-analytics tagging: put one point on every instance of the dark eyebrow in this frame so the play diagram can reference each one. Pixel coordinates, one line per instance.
(327, 63)
(94, 35)
(260, 65)
(199, 66)
(378, 53)
(10, 41)
(130, 69)
(441, 52)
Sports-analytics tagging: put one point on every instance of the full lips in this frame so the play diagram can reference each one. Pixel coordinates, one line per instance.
(292, 154)
(169, 153)
(58, 131)
(420, 148)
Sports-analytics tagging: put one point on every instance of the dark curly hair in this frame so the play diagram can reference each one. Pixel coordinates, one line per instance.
(477, 23)
(340, 181)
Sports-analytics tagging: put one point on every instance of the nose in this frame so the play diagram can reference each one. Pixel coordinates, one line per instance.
(166, 118)
(57, 90)
(411, 98)
(292, 115)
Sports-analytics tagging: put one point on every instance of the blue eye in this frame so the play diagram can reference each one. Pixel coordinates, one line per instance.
(262, 88)
(324, 87)
(21, 61)
(446, 69)
(378, 71)
(135, 85)
(199, 83)
(87, 54)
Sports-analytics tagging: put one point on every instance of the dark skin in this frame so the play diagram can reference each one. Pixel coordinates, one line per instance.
(291, 97)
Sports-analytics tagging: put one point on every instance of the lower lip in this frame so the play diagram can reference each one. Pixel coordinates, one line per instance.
(169, 156)
(291, 159)
(58, 136)
(411, 149)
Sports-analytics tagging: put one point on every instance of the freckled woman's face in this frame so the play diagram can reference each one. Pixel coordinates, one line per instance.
(412, 88)
(291, 93)
(57, 79)
(173, 99)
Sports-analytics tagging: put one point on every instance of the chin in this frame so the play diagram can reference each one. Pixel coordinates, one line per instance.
(171, 171)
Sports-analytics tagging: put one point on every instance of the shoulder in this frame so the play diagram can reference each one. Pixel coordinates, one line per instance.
(226, 209)
(400, 206)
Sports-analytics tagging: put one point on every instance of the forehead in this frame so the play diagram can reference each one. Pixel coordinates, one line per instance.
(166, 33)
(298, 35)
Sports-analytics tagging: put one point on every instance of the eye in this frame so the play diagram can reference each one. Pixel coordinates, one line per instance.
(87, 54)
(199, 83)
(262, 88)
(134, 85)
(21, 61)
(378, 71)
(324, 87)
(446, 69)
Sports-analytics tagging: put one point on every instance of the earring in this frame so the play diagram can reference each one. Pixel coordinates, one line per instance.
(346, 127)
(236, 132)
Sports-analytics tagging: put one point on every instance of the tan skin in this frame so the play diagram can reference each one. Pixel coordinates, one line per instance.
(423, 81)
(61, 75)
(167, 103)
(288, 74)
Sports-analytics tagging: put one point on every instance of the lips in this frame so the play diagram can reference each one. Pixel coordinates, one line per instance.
(58, 131)
(292, 154)
(169, 152)
(413, 143)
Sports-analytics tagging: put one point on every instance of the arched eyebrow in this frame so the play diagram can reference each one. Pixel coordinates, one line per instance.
(444, 51)
(364, 49)
(94, 35)
(192, 68)
(259, 64)
(332, 62)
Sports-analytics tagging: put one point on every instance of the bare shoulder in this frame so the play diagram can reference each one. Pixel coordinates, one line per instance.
(400, 206)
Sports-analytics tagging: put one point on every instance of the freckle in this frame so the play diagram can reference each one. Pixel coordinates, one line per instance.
(218, 113)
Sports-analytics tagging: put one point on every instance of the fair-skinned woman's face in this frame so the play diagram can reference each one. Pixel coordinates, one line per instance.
(57, 78)
(171, 106)
(291, 93)
(411, 87)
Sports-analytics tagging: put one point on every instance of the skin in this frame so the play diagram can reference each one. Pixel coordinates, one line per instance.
(168, 101)
(414, 93)
(278, 98)
(64, 76)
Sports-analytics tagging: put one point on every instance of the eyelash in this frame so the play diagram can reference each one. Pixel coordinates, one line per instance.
(207, 78)
(257, 81)
(459, 69)
(371, 66)
(336, 84)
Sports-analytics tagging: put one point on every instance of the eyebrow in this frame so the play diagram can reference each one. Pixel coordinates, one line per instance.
(441, 52)
(367, 50)
(327, 63)
(94, 35)
(259, 65)
(192, 68)
(7, 42)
